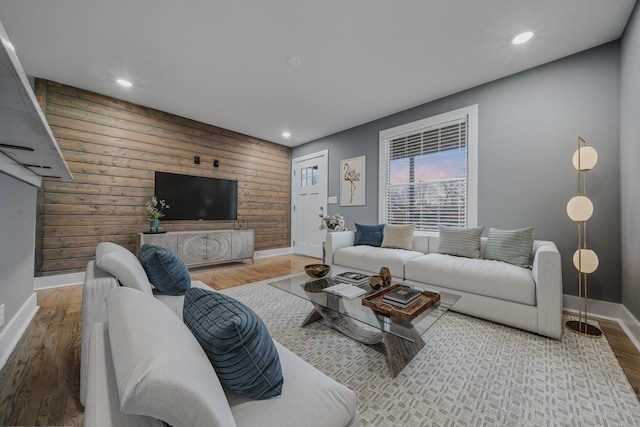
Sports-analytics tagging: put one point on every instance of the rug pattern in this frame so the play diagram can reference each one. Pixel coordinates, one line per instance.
(470, 373)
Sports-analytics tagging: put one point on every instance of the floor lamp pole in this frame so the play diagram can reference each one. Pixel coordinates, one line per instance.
(585, 260)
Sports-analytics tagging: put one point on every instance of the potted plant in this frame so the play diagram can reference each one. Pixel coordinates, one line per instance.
(153, 211)
(334, 222)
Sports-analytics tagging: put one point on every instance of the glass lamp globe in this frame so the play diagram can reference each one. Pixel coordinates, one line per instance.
(588, 158)
(585, 260)
(579, 208)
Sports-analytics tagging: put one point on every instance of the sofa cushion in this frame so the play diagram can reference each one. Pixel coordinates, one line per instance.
(160, 368)
(494, 279)
(464, 242)
(398, 236)
(237, 342)
(512, 246)
(370, 235)
(370, 259)
(309, 398)
(166, 271)
(123, 265)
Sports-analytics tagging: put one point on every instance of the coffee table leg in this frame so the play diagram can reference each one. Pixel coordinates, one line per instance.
(400, 351)
(345, 325)
(313, 316)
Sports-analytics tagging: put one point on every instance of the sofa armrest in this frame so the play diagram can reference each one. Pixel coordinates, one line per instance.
(102, 406)
(97, 285)
(547, 274)
(335, 241)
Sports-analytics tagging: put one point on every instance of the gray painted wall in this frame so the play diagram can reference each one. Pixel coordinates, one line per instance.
(17, 237)
(528, 131)
(630, 163)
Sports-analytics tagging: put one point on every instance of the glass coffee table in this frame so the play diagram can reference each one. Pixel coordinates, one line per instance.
(402, 338)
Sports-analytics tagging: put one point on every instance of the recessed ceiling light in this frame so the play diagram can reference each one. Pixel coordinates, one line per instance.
(123, 82)
(293, 61)
(522, 37)
(286, 134)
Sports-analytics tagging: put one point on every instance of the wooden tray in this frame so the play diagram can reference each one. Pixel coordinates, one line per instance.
(374, 301)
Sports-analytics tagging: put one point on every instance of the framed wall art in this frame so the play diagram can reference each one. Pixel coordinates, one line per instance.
(353, 181)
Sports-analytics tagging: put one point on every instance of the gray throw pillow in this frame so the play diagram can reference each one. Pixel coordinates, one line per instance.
(464, 242)
(370, 235)
(165, 270)
(236, 341)
(512, 246)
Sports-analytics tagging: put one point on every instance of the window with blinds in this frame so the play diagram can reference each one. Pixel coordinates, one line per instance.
(426, 176)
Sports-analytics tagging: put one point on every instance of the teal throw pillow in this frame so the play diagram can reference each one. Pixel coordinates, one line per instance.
(165, 270)
(370, 235)
(236, 341)
(464, 242)
(512, 246)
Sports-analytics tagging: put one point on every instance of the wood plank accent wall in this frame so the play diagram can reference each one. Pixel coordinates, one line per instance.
(113, 149)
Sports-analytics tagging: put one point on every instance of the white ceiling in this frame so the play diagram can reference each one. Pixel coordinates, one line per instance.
(224, 62)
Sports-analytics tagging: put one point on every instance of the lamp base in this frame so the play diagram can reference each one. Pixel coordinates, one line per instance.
(584, 329)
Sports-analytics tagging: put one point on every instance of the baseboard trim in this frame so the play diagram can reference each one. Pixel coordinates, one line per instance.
(611, 311)
(273, 252)
(58, 281)
(14, 329)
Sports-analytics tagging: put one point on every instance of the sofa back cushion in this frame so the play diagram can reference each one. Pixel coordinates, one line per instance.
(123, 265)
(160, 369)
(421, 243)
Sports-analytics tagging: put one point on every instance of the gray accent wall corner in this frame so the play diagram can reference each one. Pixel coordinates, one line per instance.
(528, 127)
(630, 163)
(17, 237)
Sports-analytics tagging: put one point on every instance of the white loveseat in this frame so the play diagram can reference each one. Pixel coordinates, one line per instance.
(167, 371)
(525, 298)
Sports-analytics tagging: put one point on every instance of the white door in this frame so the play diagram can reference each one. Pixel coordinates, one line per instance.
(309, 189)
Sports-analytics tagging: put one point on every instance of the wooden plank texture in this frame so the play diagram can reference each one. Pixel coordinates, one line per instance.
(113, 149)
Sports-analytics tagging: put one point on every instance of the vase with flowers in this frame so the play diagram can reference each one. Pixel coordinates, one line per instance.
(153, 211)
(334, 222)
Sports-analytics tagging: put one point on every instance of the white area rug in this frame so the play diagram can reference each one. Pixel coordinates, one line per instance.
(470, 373)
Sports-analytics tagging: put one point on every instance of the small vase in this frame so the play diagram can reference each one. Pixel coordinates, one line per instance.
(154, 225)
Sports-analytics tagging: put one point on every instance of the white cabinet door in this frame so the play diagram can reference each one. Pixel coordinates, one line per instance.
(192, 248)
(218, 246)
(242, 244)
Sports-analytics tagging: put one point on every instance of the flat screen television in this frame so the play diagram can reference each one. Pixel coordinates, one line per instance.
(197, 197)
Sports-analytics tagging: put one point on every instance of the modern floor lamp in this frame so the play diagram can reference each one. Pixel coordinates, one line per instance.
(585, 260)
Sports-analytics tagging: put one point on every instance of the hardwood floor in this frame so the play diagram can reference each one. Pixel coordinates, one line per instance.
(40, 383)
(627, 354)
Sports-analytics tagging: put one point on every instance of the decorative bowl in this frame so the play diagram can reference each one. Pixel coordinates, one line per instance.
(317, 270)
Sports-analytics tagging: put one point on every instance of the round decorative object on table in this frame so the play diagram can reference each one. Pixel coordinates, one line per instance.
(317, 270)
(315, 286)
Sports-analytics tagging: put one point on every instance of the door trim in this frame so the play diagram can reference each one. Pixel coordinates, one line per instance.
(325, 156)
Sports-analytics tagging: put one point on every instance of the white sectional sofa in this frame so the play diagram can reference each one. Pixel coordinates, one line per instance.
(525, 298)
(167, 378)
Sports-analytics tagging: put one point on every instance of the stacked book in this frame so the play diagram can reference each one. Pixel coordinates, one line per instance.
(345, 290)
(352, 278)
(402, 296)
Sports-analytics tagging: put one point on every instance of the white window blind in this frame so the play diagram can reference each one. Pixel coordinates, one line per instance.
(426, 176)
